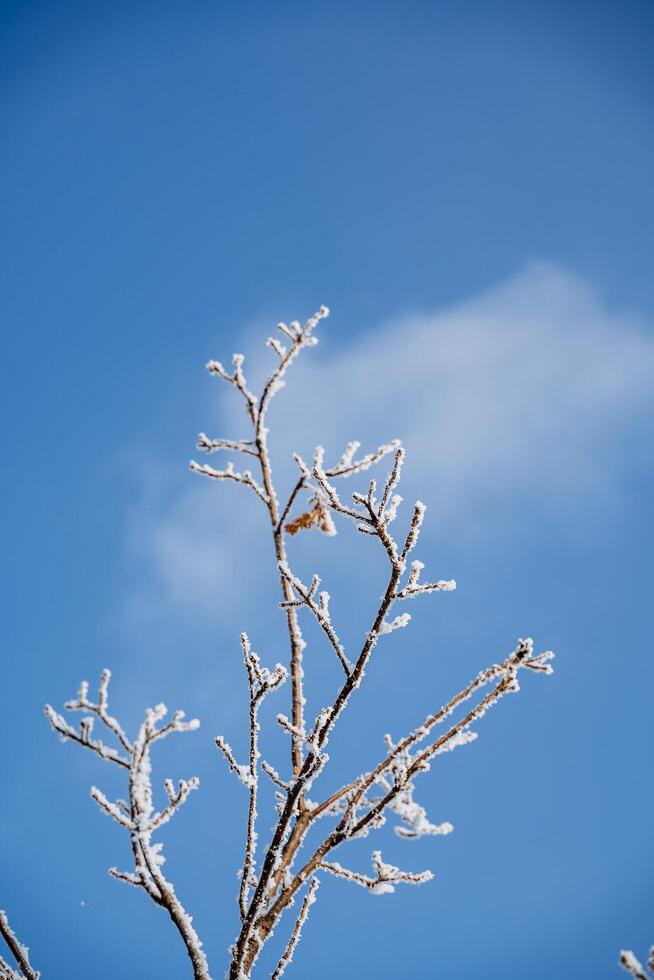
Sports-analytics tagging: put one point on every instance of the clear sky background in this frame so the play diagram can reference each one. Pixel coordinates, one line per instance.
(469, 187)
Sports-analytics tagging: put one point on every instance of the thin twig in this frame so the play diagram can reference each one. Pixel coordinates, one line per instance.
(18, 951)
(287, 955)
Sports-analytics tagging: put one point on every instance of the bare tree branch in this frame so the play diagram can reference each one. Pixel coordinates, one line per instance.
(287, 955)
(633, 966)
(138, 815)
(18, 951)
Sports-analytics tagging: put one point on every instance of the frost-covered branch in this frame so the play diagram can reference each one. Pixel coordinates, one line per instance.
(287, 955)
(404, 767)
(229, 473)
(96, 710)
(261, 682)
(386, 878)
(19, 952)
(271, 879)
(320, 610)
(297, 337)
(208, 445)
(633, 966)
(138, 815)
(364, 802)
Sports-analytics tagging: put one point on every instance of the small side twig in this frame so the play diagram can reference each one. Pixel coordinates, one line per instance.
(287, 955)
(632, 965)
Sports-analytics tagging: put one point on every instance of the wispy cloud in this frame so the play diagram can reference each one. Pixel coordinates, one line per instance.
(531, 390)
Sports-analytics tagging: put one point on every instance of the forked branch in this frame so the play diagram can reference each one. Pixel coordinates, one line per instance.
(363, 803)
(138, 815)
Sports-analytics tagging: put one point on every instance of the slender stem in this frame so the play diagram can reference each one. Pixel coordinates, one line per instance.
(289, 503)
(295, 635)
(18, 951)
(287, 955)
(250, 838)
(162, 893)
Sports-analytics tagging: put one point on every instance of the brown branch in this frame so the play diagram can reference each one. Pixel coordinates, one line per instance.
(18, 951)
(359, 810)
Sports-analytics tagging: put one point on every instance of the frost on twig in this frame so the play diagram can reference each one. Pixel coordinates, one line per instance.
(319, 608)
(261, 682)
(19, 952)
(287, 955)
(633, 966)
(386, 878)
(229, 473)
(138, 815)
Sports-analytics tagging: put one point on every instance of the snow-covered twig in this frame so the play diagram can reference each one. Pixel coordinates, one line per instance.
(261, 682)
(229, 473)
(362, 803)
(19, 952)
(208, 445)
(386, 878)
(287, 955)
(319, 609)
(633, 966)
(138, 816)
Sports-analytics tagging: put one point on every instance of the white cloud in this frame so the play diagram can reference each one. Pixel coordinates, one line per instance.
(526, 391)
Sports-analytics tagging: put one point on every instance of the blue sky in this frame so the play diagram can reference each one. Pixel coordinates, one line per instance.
(468, 186)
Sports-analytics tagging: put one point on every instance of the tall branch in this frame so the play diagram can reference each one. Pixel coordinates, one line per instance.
(362, 803)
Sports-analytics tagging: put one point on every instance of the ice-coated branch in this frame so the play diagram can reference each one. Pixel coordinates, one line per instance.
(229, 473)
(414, 587)
(208, 445)
(386, 878)
(274, 867)
(19, 952)
(96, 710)
(298, 337)
(361, 812)
(348, 465)
(363, 803)
(7, 973)
(261, 682)
(271, 882)
(237, 379)
(287, 955)
(242, 772)
(404, 767)
(320, 610)
(633, 966)
(176, 799)
(137, 815)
